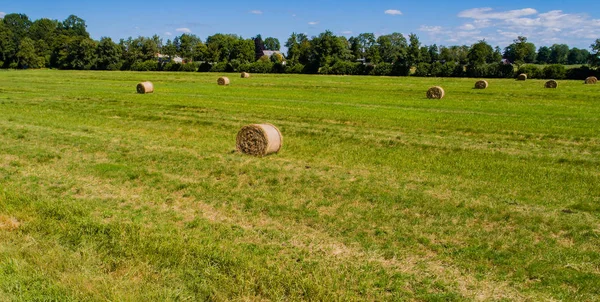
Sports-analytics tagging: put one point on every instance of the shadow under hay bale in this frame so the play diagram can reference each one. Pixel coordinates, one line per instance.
(245, 75)
(551, 84)
(145, 87)
(223, 81)
(436, 92)
(483, 84)
(591, 80)
(522, 77)
(259, 139)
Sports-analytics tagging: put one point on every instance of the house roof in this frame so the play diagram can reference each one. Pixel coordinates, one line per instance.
(270, 52)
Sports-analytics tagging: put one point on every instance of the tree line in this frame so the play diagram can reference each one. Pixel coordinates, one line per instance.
(46, 43)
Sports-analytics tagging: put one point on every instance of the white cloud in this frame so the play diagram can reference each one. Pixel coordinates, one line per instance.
(468, 26)
(440, 35)
(346, 32)
(431, 29)
(184, 30)
(256, 12)
(393, 12)
(482, 23)
(546, 28)
(168, 33)
(2, 14)
(294, 15)
(488, 13)
(313, 23)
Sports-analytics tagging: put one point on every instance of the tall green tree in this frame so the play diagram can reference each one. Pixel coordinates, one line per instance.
(328, 48)
(392, 47)
(413, 53)
(272, 44)
(73, 26)
(108, 55)
(559, 53)
(481, 53)
(520, 51)
(187, 46)
(224, 44)
(27, 57)
(578, 56)
(259, 46)
(434, 53)
(543, 55)
(75, 53)
(169, 49)
(8, 48)
(595, 56)
(243, 51)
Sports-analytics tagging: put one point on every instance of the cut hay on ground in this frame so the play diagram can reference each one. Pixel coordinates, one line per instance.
(591, 80)
(245, 75)
(551, 84)
(522, 77)
(145, 87)
(435, 92)
(259, 139)
(482, 84)
(223, 81)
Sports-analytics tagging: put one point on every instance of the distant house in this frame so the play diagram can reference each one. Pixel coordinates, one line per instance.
(166, 59)
(505, 62)
(270, 53)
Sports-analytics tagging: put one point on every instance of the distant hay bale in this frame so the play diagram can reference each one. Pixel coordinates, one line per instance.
(145, 87)
(223, 81)
(245, 75)
(435, 92)
(522, 77)
(551, 84)
(591, 80)
(483, 84)
(259, 139)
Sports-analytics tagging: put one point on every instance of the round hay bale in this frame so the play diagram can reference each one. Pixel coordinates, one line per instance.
(223, 81)
(591, 80)
(551, 84)
(483, 84)
(259, 139)
(522, 77)
(435, 92)
(145, 87)
(245, 75)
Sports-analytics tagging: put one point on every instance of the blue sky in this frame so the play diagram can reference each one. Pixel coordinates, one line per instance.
(576, 23)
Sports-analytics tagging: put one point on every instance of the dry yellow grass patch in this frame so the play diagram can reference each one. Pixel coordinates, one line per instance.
(9, 223)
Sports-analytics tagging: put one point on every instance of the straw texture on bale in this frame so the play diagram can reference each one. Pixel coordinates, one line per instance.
(259, 139)
(223, 81)
(591, 80)
(435, 92)
(145, 87)
(551, 84)
(245, 75)
(483, 84)
(522, 77)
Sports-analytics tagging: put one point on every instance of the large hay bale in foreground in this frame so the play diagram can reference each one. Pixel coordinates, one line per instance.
(591, 80)
(145, 87)
(245, 75)
(223, 81)
(551, 84)
(482, 84)
(259, 139)
(522, 77)
(435, 92)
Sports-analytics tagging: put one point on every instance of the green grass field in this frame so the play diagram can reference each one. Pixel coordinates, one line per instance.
(377, 194)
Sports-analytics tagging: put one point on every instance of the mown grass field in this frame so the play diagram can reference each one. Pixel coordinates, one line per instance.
(378, 193)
